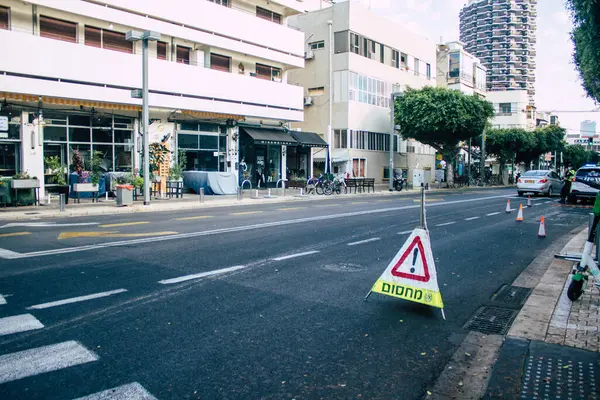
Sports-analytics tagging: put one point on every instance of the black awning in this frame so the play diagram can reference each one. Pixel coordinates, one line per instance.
(270, 136)
(309, 139)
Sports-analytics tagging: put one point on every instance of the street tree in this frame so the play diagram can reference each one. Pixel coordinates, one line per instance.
(586, 38)
(441, 118)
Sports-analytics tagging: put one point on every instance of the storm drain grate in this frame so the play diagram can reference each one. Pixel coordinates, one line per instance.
(511, 295)
(560, 378)
(491, 320)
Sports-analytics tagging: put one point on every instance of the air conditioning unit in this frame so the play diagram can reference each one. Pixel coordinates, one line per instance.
(308, 101)
(309, 55)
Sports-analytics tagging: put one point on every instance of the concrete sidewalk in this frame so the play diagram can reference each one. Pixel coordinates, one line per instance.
(551, 350)
(188, 202)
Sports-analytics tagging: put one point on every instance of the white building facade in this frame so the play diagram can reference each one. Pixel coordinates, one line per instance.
(68, 72)
(459, 70)
(372, 58)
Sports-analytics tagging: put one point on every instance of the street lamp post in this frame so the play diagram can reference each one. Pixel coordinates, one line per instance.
(392, 110)
(145, 37)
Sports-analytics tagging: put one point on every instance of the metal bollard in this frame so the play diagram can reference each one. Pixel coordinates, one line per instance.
(201, 196)
(62, 202)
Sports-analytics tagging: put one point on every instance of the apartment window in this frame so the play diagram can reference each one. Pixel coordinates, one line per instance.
(58, 29)
(318, 91)
(4, 17)
(268, 15)
(221, 2)
(183, 55)
(106, 39)
(354, 43)
(317, 45)
(505, 108)
(417, 65)
(267, 72)
(428, 70)
(161, 50)
(395, 58)
(220, 63)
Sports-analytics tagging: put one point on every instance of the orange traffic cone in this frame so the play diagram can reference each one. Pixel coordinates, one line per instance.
(528, 201)
(508, 206)
(542, 230)
(520, 214)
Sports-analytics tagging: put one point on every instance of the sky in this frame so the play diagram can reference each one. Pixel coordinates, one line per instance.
(558, 86)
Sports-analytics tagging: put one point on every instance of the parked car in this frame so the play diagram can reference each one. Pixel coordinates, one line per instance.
(539, 182)
(579, 189)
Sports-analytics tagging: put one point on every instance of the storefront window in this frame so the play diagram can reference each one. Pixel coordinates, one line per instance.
(112, 136)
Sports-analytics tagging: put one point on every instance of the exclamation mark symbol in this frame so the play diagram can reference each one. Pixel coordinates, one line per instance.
(415, 254)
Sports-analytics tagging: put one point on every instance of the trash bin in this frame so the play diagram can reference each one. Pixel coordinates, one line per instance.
(124, 195)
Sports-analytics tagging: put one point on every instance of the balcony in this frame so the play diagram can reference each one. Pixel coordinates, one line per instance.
(54, 68)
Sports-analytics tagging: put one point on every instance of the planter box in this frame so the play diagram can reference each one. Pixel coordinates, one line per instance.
(25, 183)
(85, 187)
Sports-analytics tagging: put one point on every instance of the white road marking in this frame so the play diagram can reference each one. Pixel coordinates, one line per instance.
(404, 232)
(2, 300)
(43, 359)
(364, 241)
(130, 391)
(471, 218)
(201, 275)
(306, 253)
(494, 213)
(75, 299)
(19, 323)
(14, 255)
(45, 224)
(446, 223)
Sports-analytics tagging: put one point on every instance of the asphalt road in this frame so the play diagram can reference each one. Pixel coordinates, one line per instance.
(275, 324)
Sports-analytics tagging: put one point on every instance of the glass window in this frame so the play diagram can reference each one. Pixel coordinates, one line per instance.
(55, 133)
(79, 135)
(58, 29)
(183, 55)
(4, 18)
(220, 63)
(102, 135)
(161, 50)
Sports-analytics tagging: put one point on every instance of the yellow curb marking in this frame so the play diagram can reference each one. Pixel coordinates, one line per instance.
(70, 235)
(15, 234)
(123, 224)
(247, 213)
(191, 218)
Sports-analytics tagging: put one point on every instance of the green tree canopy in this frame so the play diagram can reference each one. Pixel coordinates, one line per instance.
(586, 38)
(440, 117)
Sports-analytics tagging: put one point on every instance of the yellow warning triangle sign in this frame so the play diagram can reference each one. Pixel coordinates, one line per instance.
(411, 275)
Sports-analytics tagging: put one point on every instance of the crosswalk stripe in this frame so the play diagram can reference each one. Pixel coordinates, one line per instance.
(39, 360)
(130, 391)
(19, 323)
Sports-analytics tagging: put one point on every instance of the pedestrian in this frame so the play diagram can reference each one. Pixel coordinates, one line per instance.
(566, 189)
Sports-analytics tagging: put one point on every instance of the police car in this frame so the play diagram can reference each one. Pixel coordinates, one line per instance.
(579, 188)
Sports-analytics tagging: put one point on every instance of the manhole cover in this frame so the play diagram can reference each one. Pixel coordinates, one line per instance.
(491, 320)
(511, 295)
(344, 267)
(560, 378)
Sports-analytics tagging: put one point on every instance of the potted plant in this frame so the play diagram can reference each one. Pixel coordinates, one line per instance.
(22, 180)
(57, 169)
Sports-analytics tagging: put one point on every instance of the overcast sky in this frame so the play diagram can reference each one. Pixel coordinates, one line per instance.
(557, 82)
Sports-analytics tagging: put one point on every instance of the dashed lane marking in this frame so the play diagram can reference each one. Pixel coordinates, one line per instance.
(123, 224)
(200, 275)
(446, 223)
(193, 218)
(19, 323)
(130, 391)
(75, 299)
(39, 360)
(364, 241)
(15, 234)
(471, 218)
(306, 253)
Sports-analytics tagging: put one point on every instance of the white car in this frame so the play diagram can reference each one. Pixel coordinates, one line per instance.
(539, 182)
(579, 189)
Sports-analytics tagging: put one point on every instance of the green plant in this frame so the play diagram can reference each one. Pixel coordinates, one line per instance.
(57, 168)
